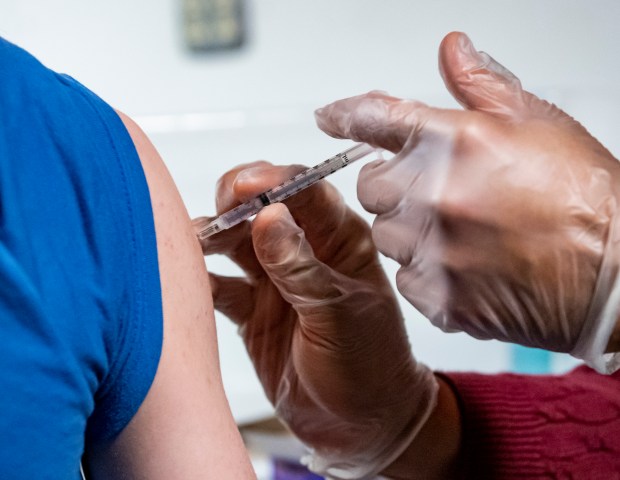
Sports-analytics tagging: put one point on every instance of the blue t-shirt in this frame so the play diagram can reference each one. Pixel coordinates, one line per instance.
(80, 299)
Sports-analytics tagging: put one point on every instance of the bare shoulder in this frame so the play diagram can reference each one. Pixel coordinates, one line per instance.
(184, 428)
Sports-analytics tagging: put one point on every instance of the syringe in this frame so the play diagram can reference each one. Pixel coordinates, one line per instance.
(286, 189)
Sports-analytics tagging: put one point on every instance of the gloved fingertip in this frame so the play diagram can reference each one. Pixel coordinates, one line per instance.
(471, 59)
(375, 118)
(275, 233)
(327, 121)
(379, 93)
(319, 113)
(475, 79)
(274, 217)
(336, 119)
(483, 60)
(253, 181)
(226, 197)
(457, 55)
(249, 182)
(466, 47)
(322, 112)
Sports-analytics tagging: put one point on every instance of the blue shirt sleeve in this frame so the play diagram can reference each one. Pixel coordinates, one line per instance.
(80, 299)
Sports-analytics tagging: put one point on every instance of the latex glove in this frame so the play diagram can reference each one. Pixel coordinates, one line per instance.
(503, 217)
(321, 324)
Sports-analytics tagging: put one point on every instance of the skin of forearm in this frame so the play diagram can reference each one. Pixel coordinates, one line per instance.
(434, 452)
(614, 341)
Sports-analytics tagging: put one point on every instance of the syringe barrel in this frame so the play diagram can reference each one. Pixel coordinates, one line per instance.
(358, 151)
(241, 212)
(284, 190)
(316, 173)
(297, 183)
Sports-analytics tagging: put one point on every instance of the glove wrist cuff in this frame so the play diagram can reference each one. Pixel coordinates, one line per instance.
(380, 452)
(604, 310)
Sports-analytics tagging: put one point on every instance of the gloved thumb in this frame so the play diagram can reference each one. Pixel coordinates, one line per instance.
(287, 257)
(480, 83)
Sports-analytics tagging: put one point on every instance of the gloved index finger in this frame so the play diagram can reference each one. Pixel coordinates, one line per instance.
(374, 118)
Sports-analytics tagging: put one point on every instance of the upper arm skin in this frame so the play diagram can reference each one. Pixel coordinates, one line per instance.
(184, 428)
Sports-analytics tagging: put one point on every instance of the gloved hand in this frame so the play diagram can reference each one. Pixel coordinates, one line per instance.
(503, 217)
(321, 324)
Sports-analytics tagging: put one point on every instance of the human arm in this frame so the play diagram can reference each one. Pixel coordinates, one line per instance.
(326, 336)
(184, 427)
(504, 217)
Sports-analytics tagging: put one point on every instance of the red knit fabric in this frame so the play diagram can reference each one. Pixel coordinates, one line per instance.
(540, 427)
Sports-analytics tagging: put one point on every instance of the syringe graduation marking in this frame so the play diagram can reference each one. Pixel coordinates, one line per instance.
(265, 199)
(284, 190)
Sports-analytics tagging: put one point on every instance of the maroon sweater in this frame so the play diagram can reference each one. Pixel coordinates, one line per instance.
(540, 427)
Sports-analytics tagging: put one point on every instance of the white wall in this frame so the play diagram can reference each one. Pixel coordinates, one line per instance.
(131, 51)
(208, 113)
